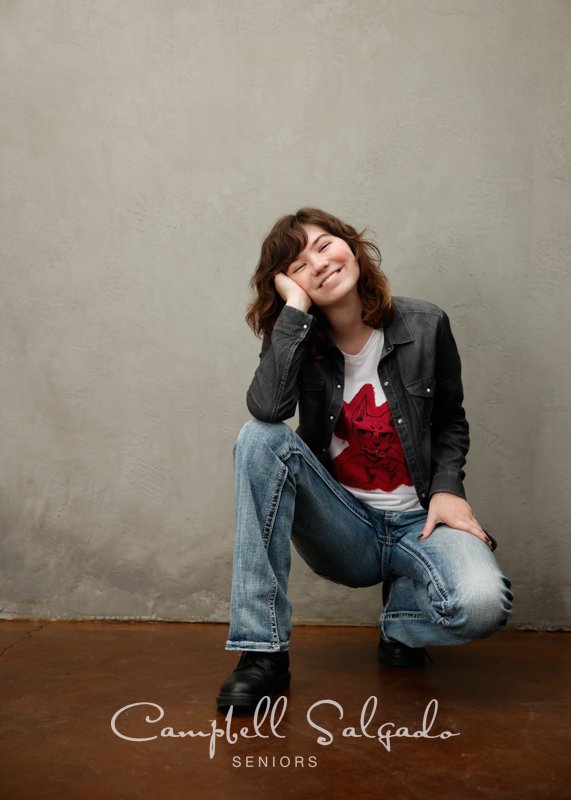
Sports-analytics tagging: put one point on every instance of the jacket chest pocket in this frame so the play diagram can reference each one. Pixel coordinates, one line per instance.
(311, 394)
(421, 393)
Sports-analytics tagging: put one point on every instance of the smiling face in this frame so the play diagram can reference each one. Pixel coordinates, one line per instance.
(326, 269)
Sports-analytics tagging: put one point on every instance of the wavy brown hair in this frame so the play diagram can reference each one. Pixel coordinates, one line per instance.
(283, 244)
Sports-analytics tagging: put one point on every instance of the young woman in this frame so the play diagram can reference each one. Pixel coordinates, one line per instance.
(369, 488)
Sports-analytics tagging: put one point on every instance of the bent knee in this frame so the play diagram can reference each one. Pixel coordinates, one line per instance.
(483, 608)
(255, 432)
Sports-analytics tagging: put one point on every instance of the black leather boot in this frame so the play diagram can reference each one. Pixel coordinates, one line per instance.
(395, 654)
(257, 674)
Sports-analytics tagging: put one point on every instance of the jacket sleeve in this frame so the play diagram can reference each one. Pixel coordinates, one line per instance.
(450, 430)
(274, 390)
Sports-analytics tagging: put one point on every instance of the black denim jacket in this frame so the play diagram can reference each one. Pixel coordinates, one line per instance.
(420, 373)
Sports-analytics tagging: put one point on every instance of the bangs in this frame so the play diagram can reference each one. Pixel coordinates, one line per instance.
(287, 244)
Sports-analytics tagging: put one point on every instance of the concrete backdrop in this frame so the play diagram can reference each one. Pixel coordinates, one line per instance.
(147, 146)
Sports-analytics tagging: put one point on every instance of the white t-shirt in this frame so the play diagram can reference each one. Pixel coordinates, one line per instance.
(367, 455)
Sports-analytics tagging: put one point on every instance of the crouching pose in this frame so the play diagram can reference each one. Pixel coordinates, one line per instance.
(369, 488)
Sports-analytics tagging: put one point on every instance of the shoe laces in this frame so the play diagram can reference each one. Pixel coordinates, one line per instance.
(260, 658)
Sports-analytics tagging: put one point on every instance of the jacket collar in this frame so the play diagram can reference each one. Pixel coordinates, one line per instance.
(397, 332)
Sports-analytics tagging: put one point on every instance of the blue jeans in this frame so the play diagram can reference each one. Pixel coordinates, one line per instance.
(446, 590)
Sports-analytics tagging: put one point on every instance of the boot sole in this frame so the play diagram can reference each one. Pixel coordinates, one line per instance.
(396, 662)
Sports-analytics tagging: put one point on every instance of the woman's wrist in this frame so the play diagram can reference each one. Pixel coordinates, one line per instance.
(301, 303)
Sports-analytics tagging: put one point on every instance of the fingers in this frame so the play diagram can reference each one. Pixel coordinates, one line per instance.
(456, 513)
(481, 534)
(430, 525)
(473, 526)
(468, 526)
(286, 285)
(291, 292)
(283, 285)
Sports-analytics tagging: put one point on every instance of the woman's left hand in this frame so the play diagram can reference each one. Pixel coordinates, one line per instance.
(455, 512)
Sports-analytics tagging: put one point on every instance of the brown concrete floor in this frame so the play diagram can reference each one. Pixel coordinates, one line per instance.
(61, 683)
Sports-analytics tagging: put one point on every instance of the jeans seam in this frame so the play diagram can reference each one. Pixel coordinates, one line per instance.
(293, 449)
(444, 619)
(434, 576)
(273, 509)
(266, 538)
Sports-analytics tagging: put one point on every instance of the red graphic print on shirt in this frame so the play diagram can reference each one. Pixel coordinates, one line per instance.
(374, 458)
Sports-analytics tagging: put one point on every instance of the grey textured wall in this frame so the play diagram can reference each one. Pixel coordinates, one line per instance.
(147, 146)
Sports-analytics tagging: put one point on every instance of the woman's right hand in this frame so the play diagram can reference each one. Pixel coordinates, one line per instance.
(291, 292)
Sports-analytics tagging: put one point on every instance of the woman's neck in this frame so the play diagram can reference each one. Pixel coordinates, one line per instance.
(346, 326)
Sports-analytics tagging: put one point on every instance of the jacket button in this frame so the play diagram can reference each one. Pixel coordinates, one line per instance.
(305, 326)
(386, 383)
(330, 417)
(338, 385)
(399, 420)
(428, 390)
